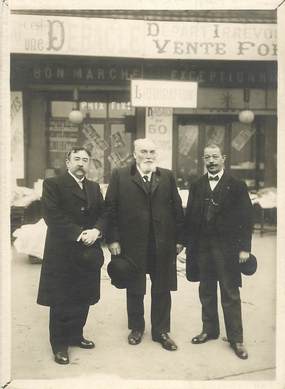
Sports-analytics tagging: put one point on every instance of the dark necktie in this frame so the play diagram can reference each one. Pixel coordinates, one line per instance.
(213, 178)
(147, 183)
(83, 183)
(84, 190)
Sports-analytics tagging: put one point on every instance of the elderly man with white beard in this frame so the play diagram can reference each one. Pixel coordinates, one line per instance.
(145, 223)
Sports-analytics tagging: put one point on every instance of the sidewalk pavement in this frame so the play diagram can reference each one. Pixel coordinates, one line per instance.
(114, 358)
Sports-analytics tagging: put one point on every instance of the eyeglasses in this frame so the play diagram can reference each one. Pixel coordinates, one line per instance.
(215, 157)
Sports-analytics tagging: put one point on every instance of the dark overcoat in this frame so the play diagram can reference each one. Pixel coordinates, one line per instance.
(232, 225)
(131, 212)
(70, 271)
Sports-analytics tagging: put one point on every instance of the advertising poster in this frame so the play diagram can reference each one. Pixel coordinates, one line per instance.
(159, 129)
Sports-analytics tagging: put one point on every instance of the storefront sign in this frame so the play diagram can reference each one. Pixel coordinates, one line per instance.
(159, 129)
(100, 72)
(153, 93)
(17, 135)
(239, 41)
(142, 39)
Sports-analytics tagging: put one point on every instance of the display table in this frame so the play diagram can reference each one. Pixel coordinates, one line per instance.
(265, 204)
(29, 214)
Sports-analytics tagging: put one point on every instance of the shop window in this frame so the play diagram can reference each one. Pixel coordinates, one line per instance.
(120, 109)
(269, 135)
(96, 109)
(121, 143)
(61, 109)
(62, 135)
(215, 134)
(104, 131)
(243, 144)
(92, 137)
(187, 158)
(243, 148)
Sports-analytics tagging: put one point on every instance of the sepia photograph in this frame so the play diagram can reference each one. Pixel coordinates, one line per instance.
(141, 194)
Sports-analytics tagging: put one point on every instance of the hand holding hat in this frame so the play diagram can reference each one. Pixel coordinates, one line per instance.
(122, 270)
(243, 256)
(247, 263)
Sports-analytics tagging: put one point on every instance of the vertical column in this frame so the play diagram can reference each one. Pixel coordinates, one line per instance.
(270, 155)
(5, 246)
(140, 122)
(36, 143)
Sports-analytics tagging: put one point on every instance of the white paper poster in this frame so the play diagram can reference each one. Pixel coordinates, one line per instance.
(159, 129)
(17, 135)
(242, 138)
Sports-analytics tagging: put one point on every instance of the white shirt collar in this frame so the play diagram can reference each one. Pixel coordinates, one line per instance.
(144, 174)
(78, 180)
(221, 172)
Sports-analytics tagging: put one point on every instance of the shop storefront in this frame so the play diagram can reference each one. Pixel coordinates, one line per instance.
(230, 80)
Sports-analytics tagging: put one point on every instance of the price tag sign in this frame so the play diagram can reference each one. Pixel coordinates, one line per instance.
(159, 128)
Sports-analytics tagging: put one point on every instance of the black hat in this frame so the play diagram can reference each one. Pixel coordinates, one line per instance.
(88, 258)
(249, 267)
(121, 270)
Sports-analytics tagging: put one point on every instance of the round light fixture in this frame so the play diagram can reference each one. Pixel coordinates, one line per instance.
(246, 116)
(75, 116)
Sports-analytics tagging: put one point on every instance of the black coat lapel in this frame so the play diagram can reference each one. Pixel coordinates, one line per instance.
(70, 182)
(89, 192)
(222, 190)
(203, 188)
(137, 179)
(155, 180)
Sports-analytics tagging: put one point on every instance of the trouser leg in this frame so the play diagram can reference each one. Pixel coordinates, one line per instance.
(208, 298)
(160, 312)
(66, 323)
(78, 317)
(135, 310)
(231, 303)
(58, 328)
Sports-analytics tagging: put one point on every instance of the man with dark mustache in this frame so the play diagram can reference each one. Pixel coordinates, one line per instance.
(218, 235)
(73, 210)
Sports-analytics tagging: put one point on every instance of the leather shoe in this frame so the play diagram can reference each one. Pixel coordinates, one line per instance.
(61, 357)
(83, 343)
(239, 350)
(135, 337)
(203, 337)
(166, 342)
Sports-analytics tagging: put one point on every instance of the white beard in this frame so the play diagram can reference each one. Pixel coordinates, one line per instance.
(147, 167)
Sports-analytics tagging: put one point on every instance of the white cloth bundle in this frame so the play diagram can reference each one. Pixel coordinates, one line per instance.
(30, 238)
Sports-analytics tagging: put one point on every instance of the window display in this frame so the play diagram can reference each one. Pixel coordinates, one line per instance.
(104, 131)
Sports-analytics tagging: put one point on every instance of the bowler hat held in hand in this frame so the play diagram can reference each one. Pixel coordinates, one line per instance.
(90, 257)
(122, 270)
(249, 267)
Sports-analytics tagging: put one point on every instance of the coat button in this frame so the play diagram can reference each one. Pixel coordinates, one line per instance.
(82, 209)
